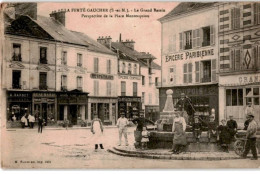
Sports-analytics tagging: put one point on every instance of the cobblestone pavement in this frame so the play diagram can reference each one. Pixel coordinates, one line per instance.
(72, 148)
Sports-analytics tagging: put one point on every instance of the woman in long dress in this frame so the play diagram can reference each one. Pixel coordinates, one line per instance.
(97, 131)
(179, 139)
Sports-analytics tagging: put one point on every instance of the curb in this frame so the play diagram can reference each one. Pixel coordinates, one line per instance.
(55, 128)
(169, 156)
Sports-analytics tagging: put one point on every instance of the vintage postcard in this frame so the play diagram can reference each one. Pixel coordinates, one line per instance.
(111, 85)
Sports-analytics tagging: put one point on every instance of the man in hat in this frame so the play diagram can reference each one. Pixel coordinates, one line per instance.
(232, 125)
(251, 138)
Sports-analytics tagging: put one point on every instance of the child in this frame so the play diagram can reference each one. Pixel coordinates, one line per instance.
(197, 128)
(145, 139)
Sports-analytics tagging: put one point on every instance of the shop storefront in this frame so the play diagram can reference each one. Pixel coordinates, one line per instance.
(104, 108)
(204, 99)
(18, 103)
(72, 106)
(129, 106)
(45, 105)
(236, 92)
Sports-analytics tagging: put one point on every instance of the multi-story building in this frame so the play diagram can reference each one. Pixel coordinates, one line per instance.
(138, 76)
(190, 56)
(239, 59)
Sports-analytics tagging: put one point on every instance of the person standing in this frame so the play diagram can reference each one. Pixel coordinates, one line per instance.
(249, 109)
(97, 131)
(122, 123)
(31, 120)
(251, 138)
(24, 121)
(246, 123)
(40, 124)
(224, 135)
(232, 125)
(179, 139)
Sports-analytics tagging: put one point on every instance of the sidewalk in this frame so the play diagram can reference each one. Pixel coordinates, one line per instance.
(130, 151)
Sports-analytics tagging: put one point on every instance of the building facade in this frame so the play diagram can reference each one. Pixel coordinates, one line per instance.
(190, 57)
(239, 59)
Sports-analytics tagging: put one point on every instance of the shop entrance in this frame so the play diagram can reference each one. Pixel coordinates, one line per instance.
(73, 114)
(44, 112)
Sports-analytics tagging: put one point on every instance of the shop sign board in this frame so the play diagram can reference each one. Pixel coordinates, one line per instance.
(196, 90)
(129, 99)
(129, 77)
(44, 94)
(101, 76)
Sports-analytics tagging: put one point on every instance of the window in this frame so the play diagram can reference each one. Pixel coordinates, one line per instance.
(16, 84)
(79, 83)
(64, 57)
(63, 82)
(197, 72)
(143, 80)
(234, 97)
(206, 71)
(256, 13)
(235, 18)
(43, 81)
(252, 95)
(96, 88)
(206, 36)
(187, 73)
(79, 60)
(235, 59)
(135, 69)
(109, 66)
(172, 75)
(43, 55)
(108, 88)
(96, 64)
(143, 97)
(156, 81)
(129, 68)
(134, 88)
(150, 98)
(188, 40)
(17, 52)
(123, 88)
(123, 67)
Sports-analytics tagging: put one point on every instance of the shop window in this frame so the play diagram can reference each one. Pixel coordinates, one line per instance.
(64, 57)
(16, 81)
(123, 88)
(17, 52)
(106, 111)
(135, 69)
(235, 18)
(252, 95)
(234, 97)
(206, 71)
(143, 80)
(79, 83)
(256, 13)
(188, 40)
(43, 55)
(96, 65)
(63, 82)
(108, 88)
(123, 67)
(109, 66)
(129, 68)
(206, 36)
(79, 60)
(96, 88)
(43, 81)
(135, 88)
(187, 73)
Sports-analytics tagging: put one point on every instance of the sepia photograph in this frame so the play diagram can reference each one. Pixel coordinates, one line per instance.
(130, 85)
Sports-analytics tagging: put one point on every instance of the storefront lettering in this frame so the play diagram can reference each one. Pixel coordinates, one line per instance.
(101, 76)
(249, 79)
(19, 95)
(189, 55)
(44, 94)
(129, 77)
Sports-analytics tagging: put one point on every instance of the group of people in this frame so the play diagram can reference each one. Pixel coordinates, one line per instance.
(28, 120)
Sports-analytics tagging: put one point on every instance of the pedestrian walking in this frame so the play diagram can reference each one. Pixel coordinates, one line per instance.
(179, 139)
(145, 138)
(97, 131)
(232, 125)
(24, 121)
(251, 138)
(40, 124)
(224, 135)
(122, 124)
(31, 119)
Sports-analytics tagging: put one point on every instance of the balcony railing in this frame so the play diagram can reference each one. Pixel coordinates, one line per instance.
(205, 79)
(17, 57)
(187, 47)
(43, 87)
(17, 86)
(43, 61)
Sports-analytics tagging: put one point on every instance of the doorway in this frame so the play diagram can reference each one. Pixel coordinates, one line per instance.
(73, 114)
(44, 113)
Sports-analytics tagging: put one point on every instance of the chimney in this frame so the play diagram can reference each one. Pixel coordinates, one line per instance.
(120, 37)
(106, 41)
(129, 43)
(59, 16)
(29, 9)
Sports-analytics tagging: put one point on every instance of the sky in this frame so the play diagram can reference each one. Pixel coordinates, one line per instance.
(146, 32)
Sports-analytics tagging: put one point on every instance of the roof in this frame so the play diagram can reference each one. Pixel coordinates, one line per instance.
(131, 54)
(187, 7)
(92, 44)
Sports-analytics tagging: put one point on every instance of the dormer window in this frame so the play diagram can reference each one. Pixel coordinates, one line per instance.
(17, 52)
(129, 68)
(135, 69)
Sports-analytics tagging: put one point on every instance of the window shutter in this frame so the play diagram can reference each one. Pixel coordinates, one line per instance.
(232, 59)
(237, 57)
(197, 71)
(212, 35)
(255, 13)
(258, 13)
(232, 18)
(199, 37)
(237, 17)
(194, 38)
(181, 41)
(190, 72)
(97, 87)
(185, 73)
(213, 70)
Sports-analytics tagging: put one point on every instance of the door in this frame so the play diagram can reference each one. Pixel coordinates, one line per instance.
(73, 114)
